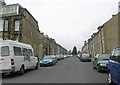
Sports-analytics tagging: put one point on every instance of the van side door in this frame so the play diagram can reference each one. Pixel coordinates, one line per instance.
(26, 58)
(32, 58)
(18, 58)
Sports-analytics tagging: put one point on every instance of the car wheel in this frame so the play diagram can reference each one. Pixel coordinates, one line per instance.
(3, 74)
(98, 69)
(53, 64)
(36, 67)
(21, 72)
(93, 67)
(41, 65)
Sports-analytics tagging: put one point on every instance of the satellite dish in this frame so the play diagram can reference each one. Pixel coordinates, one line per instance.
(2, 2)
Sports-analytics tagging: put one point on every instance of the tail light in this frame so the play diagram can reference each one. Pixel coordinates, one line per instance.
(12, 61)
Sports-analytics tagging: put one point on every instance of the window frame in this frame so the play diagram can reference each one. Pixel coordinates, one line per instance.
(5, 25)
(17, 25)
(1, 25)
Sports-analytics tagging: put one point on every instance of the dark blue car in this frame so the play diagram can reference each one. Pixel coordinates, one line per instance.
(114, 67)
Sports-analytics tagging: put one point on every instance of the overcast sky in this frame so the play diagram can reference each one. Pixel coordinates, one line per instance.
(70, 22)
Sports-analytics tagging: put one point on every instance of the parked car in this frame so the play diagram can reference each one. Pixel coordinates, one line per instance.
(100, 62)
(85, 57)
(114, 67)
(48, 60)
(78, 55)
(60, 57)
(16, 57)
(65, 56)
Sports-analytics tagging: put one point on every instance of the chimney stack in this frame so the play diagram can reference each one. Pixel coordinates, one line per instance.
(2, 2)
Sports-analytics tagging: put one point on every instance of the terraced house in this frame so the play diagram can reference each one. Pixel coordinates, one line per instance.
(106, 39)
(17, 23)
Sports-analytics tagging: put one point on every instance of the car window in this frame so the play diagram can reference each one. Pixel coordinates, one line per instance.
(86, 56)
(17, 51)
(47, 57)
(104, 57)
(97, 56)
(30, 52)
(25, 52)
(115, 55)
(5, 51)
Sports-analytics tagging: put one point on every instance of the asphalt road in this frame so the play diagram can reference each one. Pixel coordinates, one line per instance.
(69, 70)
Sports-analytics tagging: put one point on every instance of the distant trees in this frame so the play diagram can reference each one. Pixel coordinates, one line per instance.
(74, 51)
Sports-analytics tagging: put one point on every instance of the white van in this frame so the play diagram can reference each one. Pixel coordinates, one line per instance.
(16, 57)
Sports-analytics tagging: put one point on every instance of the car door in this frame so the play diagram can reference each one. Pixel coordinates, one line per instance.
(18, 58)
(113, 66)
(26, 58)
(32, 58)
(118, 66)
(33, 61)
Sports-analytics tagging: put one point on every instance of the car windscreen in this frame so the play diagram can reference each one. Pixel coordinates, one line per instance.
(4, 51)
(104, 57)
(86, 56)
(47, 57)
(117, 53)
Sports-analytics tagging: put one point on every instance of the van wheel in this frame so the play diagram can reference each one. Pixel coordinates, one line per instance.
(21, 70)
(3, 74)
(36, 67)
(110, 79)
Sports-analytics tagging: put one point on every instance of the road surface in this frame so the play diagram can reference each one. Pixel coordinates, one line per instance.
(69, 70)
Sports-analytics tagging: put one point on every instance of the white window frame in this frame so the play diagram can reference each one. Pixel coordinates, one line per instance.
(6, 25)
(17, 25)
(1, 24)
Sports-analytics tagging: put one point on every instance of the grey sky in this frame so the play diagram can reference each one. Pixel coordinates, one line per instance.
(70, 22)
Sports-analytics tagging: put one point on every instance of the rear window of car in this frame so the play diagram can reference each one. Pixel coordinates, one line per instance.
(86, 54)
(47, 57)
(5, 51)
(104, 57)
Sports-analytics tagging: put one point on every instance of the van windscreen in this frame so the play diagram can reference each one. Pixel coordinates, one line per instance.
(5, 51)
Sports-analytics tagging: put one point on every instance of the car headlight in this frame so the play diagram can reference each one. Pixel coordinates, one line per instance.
(40, 61)
(50, 60)
(103, 65)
